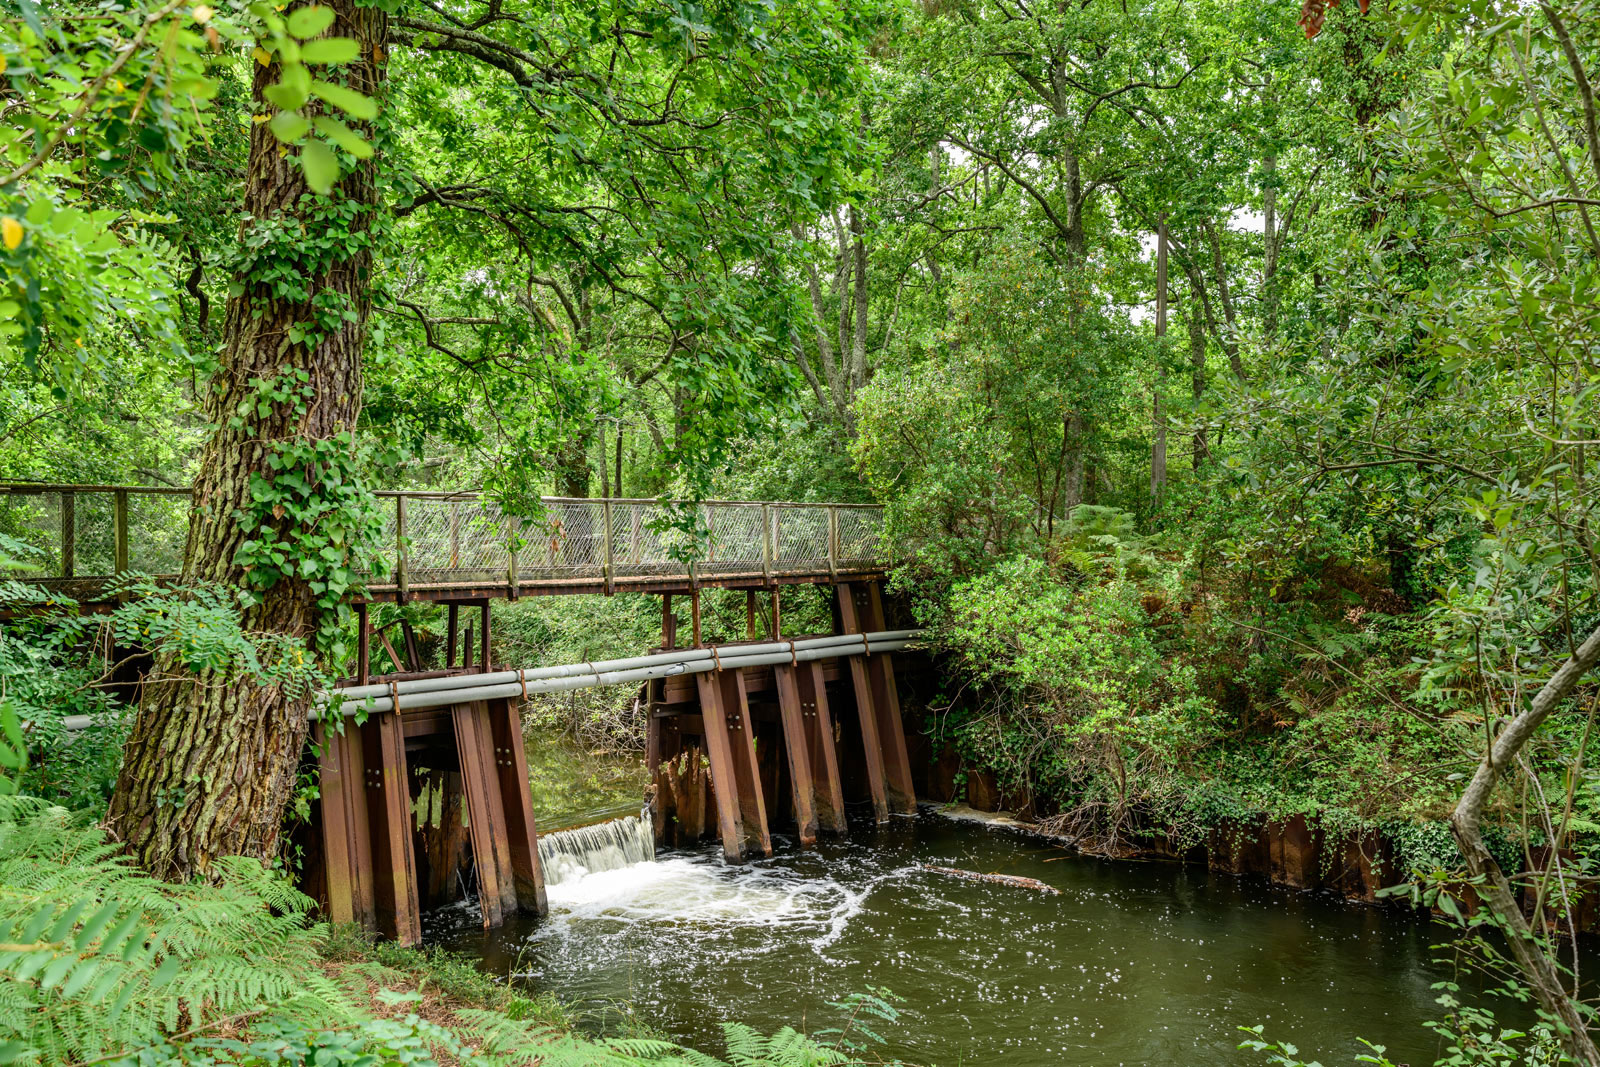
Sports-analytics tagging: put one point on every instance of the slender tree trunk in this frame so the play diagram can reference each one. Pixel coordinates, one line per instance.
(858, 340)
(1496, 891)
(1197, 377)
(1269, 266)
(211, 761)
(1072, 490)
(1158, 446)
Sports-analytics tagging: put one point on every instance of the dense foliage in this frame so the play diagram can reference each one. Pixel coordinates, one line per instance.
(1232, 390)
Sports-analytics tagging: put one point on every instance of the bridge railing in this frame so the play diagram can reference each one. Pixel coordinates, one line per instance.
(431, 538)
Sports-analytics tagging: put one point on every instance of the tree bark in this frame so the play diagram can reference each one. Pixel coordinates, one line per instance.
(1269, 234)
(858, 340)
(1466, 822)
(1158, 430)
(212, 760)
(1197, 377)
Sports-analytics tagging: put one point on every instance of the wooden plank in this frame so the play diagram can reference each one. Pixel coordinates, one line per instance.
(479, 787)
(886, 701)
(828, 788)
(798, 750)
(866, 712)
(516, 799)
(720, 752)
(741, 739)
(394, 866)
(338, 860)
(346, 832)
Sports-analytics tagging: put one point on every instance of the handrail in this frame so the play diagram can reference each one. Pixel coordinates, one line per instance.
(439, 539)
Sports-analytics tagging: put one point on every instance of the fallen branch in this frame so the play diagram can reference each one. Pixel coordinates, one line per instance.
(1000, 879)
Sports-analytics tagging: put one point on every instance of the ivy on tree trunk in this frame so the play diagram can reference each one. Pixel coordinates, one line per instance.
(212, 760)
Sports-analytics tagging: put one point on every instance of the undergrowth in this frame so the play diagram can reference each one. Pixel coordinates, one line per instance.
(102, 964)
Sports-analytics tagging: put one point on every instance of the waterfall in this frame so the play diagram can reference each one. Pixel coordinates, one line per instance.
(568, 855)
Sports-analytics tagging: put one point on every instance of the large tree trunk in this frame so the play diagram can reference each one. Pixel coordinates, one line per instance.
(212, 760)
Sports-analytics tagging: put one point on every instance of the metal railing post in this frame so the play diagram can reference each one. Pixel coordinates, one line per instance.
(119, 530)
(400, 579)
(833, 542)
(611, 560)
(455, 535)
(766, 542)
(511, 554)
(69, 526)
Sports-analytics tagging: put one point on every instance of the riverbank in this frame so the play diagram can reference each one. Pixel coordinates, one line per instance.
(1297, 852)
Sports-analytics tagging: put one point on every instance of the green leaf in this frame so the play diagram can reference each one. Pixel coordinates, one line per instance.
(344, 137)
(307, 22)
(321, 166)
(330, 50)
(289, 126)
(285, 95)
(349, 101)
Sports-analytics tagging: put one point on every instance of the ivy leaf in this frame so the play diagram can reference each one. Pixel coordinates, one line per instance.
(344, 137)
(307, 22)
(288, 126)
(285, 95)
(349, 101)
(330, 50)
(321, 166)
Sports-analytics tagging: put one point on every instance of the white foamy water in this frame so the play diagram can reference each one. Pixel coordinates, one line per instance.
(571, 855)
(689, 892)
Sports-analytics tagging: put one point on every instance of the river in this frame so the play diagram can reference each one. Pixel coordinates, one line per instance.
(1133, 963)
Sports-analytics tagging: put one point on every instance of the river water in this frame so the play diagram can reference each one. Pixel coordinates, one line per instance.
(1133, 963)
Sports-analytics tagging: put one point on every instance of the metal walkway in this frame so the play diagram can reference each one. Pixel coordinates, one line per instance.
(455, 546)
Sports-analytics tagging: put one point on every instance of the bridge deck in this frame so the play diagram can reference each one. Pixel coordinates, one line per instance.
(461, 545)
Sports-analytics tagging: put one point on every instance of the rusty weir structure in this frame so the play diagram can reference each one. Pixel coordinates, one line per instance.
(424, 779)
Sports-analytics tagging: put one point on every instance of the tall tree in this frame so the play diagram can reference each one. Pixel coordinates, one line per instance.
(209, 765)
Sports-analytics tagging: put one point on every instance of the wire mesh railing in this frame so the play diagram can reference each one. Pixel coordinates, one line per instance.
(453, 539)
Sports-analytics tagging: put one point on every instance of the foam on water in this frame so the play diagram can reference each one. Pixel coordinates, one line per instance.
(706, 893)
(571, 855)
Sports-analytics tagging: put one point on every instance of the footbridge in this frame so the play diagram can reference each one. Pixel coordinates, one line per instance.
(452, 546)
(424, 784)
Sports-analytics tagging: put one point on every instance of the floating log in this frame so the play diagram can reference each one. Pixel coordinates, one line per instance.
(1001, 879)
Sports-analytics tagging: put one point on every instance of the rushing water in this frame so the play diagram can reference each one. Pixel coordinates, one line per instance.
(569, 855)
(1132, 963)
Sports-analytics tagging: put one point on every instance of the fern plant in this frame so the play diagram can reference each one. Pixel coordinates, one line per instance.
(97, 958)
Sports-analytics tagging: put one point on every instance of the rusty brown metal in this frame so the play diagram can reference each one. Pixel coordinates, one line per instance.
(828, 788)
(902, 789)
(394, 866)
(516, 800)
(797, 750)
(866, 709)
(719, 750)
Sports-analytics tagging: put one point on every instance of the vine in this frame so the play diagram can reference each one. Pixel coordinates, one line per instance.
(315, 521)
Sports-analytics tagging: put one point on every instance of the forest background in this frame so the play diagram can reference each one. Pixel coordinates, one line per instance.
(1230, 382)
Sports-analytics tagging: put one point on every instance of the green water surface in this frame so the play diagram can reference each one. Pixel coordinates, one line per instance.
(1131, 963)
